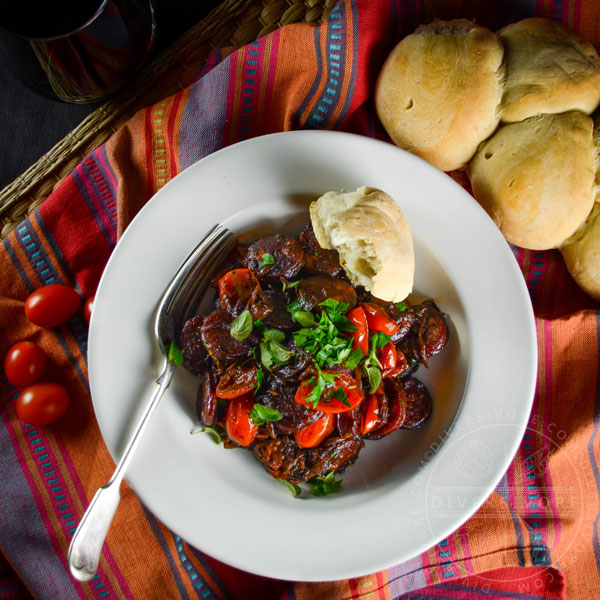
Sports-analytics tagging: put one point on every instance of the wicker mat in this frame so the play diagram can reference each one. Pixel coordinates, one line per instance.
(233, 23)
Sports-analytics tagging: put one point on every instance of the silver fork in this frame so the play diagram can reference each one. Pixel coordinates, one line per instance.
(178, 303)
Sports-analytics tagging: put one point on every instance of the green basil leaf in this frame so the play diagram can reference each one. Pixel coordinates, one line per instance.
(279, 352)
(374, 375)
(260, 414)
(241, 326)
(212, 432)
(273, 334)
(290, 285)
(174, 354)
(267, 259)
(296, 490)
(304, 318)
(266, 357)
(354, 359)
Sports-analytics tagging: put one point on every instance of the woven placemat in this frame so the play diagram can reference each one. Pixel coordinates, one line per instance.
(233, 23)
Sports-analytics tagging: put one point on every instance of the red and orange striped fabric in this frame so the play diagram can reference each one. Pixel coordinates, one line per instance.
(537, 536)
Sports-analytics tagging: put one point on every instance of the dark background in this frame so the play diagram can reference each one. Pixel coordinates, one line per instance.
(30, 125)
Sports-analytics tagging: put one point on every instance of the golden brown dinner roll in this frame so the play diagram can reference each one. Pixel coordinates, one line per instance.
(373, 239)
(549, 69)
(582, 254)
(535, 178)
(438, 92)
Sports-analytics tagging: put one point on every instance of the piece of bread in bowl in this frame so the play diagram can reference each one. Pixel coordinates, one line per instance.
(549, 69)
(535, 178)
(438, 92)
(372, 237)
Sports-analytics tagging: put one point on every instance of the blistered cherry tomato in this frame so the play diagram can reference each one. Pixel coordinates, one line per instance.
(237, 380)
(238, 424)
(371, 415)
(87, 308)
(312, 435)
(328, 403)
(24, 363)
(400, 367)
(388, 356)
(239, 290)
(361, 335)
(378, 319)
(42, 403)
(52, 305)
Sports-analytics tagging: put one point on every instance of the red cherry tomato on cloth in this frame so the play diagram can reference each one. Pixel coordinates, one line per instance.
(312, 435)
(378, 319)
(328, 403)
(42, 403)
(361, 335)
(52, 305)
(87, 308)
(24, 363)
(238, 424)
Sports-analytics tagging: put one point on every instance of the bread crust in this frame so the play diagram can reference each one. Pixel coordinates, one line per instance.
(535, 178)
(438, 92)
(372, 237)
(549, 69)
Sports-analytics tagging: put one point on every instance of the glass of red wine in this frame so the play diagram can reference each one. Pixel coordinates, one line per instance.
(76, 50)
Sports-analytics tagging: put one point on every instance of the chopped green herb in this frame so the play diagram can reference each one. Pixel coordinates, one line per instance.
(354, 359)
(260, 379)
(340, 395)
(323, 486)
(241, 326)
(381, 339)
(260, 414)
(260, 326)
(213, 433)
(294, 307)
(401, 306)
(290, 285)
(267, 259)
(295, 489)
(304, 318)
(374, 375)
(174, 354)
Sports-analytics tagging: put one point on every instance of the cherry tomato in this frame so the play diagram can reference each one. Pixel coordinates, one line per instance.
(239, 290)
(24, 363)
(52, 305)
(388, 356)
(87, 308)
(397, 403)
(312, 435)
(237, 380)
(42, 403)
(361, 335)
(371, 415)
(400, 367)
(328, 403)
(378, 319)
(238, 424)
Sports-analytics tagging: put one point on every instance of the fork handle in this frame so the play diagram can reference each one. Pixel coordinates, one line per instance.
(86, 544)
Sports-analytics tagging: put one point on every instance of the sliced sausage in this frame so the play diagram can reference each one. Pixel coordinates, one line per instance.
(274, 257)
(282, 458)
(418, 403)
(280, 317)
(317, 288)
(195, 357)
(206, 400)
(334, 454)
(432, 333)
(216, 337)
(318, 260)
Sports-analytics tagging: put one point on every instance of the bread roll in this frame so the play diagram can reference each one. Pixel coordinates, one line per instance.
(372, 237)
(536, 178)
(439, 90)
(549, 69)
(582, 254)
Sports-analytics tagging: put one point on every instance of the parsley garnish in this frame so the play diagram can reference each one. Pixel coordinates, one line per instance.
(401, 306)
(212, 432)
(267, 259)
(323, 486)
(174, 354)
(295, 489)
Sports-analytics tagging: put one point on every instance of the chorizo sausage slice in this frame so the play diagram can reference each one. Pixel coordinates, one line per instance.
(215, 333)
(274, 257)
(432, 332)
(195, 357)
(318, 260)
(317, 288)
(418, 403)
(206, 400)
